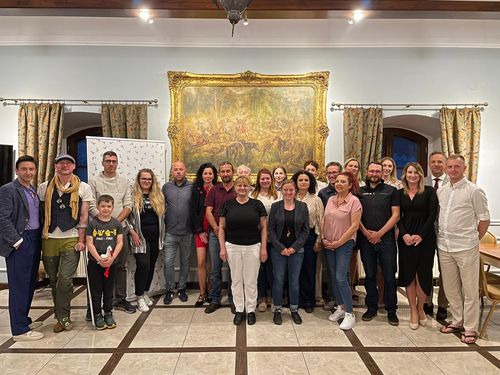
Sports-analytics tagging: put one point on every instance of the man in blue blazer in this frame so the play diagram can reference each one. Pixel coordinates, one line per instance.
(20, 245)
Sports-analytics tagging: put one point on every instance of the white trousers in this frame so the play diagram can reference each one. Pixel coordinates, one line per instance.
(244, 263)
(460, 273)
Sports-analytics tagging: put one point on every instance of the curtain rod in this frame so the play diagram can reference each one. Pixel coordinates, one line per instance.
(78, 102)
(403, 106)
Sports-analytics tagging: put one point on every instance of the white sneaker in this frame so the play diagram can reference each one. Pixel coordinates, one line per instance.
(348, 322)
(35, 325)
(337, 314)
(142, 304)
(28, 336)
(148, 300)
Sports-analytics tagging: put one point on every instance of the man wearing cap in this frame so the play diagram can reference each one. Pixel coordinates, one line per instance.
(65, 201)
(20, 245)
(111, 183)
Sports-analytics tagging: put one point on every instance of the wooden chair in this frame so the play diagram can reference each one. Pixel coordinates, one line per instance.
(489, 290)
(489, 238)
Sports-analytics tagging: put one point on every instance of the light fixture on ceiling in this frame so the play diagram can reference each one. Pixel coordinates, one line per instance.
(145, 15)
(235, 10)
(357, 16)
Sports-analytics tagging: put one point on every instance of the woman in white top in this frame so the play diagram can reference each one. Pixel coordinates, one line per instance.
(266, 193)
(389, 172)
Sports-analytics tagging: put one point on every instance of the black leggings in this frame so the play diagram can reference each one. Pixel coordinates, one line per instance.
(146, 265)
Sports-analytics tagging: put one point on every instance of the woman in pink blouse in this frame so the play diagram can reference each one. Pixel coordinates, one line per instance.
(340, 224)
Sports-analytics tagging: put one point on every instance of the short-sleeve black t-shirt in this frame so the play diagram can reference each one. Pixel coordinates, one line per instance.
(243, 221)
(104, 234)
(149, 218)
(377, 206)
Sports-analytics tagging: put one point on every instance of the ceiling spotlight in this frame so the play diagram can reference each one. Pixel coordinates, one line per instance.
(145, 15)
(150, 21)
(350, 21)
(358, 15)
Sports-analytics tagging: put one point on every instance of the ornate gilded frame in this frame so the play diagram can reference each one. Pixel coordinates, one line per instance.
(183, 83)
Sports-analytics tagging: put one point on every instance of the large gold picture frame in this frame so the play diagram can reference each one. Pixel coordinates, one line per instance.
(254, 119)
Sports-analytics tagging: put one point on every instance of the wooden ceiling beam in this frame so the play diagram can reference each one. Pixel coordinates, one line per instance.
(266, 5)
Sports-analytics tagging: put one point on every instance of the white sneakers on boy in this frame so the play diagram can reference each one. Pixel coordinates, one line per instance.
(148, 300)
(348, 322)
(337, 314)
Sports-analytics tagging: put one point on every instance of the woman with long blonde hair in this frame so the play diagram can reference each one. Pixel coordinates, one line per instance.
(147, 231)
(389, 172)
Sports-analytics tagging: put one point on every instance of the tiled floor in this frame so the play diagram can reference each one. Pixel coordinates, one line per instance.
(181, 339)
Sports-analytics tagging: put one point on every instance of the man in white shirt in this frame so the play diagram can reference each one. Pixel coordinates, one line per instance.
(463, 220)
(436, 179)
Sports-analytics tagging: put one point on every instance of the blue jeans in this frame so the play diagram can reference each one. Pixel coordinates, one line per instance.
(338, 261)
(280, 265)
(185, 245)
(308, 273)
(265, 279)
(383, 253)
(216, 271)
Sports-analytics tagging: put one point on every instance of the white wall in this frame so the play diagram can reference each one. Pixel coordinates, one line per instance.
(421, 75)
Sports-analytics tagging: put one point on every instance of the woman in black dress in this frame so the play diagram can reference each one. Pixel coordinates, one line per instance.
(417, 240)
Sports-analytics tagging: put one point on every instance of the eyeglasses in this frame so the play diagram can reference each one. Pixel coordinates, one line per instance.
(111, 161)
(62, 206)
(146, 179)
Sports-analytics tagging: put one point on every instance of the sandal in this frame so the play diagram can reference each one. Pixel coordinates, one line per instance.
(449, 328)
(200, 301)
(469, 338)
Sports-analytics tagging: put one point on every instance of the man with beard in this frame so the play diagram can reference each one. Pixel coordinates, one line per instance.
(378, 243)
(216, 197)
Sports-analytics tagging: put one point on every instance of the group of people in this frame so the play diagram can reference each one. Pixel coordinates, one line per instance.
(276, 236)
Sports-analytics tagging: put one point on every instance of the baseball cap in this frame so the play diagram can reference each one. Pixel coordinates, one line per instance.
(64, 157)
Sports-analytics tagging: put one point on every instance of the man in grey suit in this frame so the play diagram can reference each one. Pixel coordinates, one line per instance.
(436, 179)
(20, 245)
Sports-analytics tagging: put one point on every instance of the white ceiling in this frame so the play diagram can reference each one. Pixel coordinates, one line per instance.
(35, 30)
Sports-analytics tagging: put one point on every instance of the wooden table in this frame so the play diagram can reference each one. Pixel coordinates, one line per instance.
(490, 253)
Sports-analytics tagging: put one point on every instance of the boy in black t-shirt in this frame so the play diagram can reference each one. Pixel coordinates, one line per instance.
(104, 242)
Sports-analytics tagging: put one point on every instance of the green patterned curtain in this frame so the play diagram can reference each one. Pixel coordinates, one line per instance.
(363, 131)
(124, 121)
(40, 128)
(460, 134)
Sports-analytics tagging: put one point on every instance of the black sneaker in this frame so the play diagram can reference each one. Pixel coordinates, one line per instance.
(369, 315)
(125, 305)
(277, 317)
(233, 308)
(392, 318)
(99, 322)
(181, 293)
(169, 297)
(108, 319)
(211, 308)
(296, 317)
(238, 318)
(251, 319)
(309, 310)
